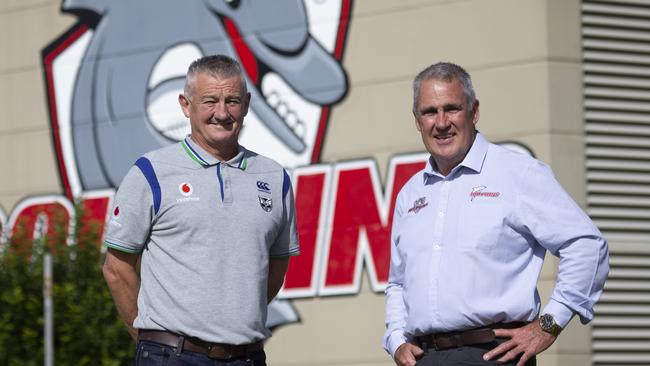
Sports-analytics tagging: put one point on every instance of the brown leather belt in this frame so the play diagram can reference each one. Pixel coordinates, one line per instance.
(218, 351)
(442, 341)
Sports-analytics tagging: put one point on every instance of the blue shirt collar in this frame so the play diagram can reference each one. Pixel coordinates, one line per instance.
(473, 160)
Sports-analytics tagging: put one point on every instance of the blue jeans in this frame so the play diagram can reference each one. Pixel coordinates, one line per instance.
(156, 354)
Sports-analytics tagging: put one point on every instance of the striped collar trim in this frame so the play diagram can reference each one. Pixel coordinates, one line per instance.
(200, 156)
(193, 151)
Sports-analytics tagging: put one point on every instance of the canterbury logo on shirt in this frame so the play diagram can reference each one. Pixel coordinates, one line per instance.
(263, 186)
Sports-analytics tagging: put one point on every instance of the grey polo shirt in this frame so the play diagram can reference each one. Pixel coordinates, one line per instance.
(206, 230)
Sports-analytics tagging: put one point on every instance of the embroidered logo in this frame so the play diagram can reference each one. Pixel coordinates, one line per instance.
(114, 217)
(263, 186)
(185, 189)
(419, 204)
(266, 203)
(479, 192)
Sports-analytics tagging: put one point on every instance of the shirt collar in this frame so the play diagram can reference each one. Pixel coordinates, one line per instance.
(473, 160)
(203, 158)
(476, 154)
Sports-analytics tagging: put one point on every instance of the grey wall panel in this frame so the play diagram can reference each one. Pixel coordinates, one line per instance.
(616, 59)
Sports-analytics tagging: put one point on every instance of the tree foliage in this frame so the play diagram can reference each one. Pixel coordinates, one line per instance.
(87, 329)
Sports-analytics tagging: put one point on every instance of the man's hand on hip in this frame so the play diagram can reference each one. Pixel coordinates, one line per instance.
(407, 354)
(526, 341)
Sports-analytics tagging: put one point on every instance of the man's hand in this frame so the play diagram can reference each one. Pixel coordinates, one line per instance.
(526, 341)
(407, 354)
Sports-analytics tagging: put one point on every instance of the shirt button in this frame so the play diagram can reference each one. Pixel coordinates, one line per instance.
(441, 214)
(436, 247)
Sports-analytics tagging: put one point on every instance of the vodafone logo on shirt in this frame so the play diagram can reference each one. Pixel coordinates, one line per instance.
(185, 189)
(115, 216)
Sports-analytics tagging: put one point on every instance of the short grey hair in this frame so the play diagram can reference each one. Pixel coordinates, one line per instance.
(444, 71)
(217, 66)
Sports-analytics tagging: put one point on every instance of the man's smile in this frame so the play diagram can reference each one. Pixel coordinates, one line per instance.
(444, 138)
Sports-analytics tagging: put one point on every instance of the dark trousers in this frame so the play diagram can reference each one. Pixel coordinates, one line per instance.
(464, 356)
(156, 354)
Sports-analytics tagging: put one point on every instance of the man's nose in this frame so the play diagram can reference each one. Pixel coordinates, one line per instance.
(220, 112)
(442, 120)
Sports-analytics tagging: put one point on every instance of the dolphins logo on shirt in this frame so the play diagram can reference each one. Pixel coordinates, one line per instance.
(479, 191)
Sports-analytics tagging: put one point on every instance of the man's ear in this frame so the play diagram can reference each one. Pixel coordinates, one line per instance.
(477, 113)
(185, 104)
(417, 122)
(247, 103)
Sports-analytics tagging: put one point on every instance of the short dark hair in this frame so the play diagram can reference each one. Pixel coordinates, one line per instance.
(445, 71)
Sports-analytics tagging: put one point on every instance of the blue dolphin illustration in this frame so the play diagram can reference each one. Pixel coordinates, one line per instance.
(113, 119)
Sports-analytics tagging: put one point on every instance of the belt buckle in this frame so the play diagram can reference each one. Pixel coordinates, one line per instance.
(441, 343)
(434, 342)
(226, 355)
(431, 341)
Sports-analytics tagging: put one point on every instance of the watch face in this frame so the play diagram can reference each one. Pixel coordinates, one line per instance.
(548, 324)
(546, 321)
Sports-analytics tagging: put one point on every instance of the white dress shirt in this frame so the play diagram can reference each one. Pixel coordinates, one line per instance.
(467, 248)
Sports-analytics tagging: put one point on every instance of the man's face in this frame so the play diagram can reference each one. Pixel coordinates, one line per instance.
(445, 121)
(216, 109)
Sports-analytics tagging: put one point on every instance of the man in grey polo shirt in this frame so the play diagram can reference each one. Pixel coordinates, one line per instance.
(213, 225)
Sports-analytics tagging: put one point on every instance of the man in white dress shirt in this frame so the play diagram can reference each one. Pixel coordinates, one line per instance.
(469, 236)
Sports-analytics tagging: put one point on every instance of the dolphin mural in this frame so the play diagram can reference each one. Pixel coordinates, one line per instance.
(132, 70)
(113, 80)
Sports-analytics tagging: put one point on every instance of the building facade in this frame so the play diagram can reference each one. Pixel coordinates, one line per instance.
(87, 86)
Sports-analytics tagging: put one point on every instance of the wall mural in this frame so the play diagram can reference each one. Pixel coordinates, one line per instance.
(112, 100)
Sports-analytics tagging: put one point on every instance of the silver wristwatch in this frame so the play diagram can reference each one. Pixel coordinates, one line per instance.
(548, 324)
